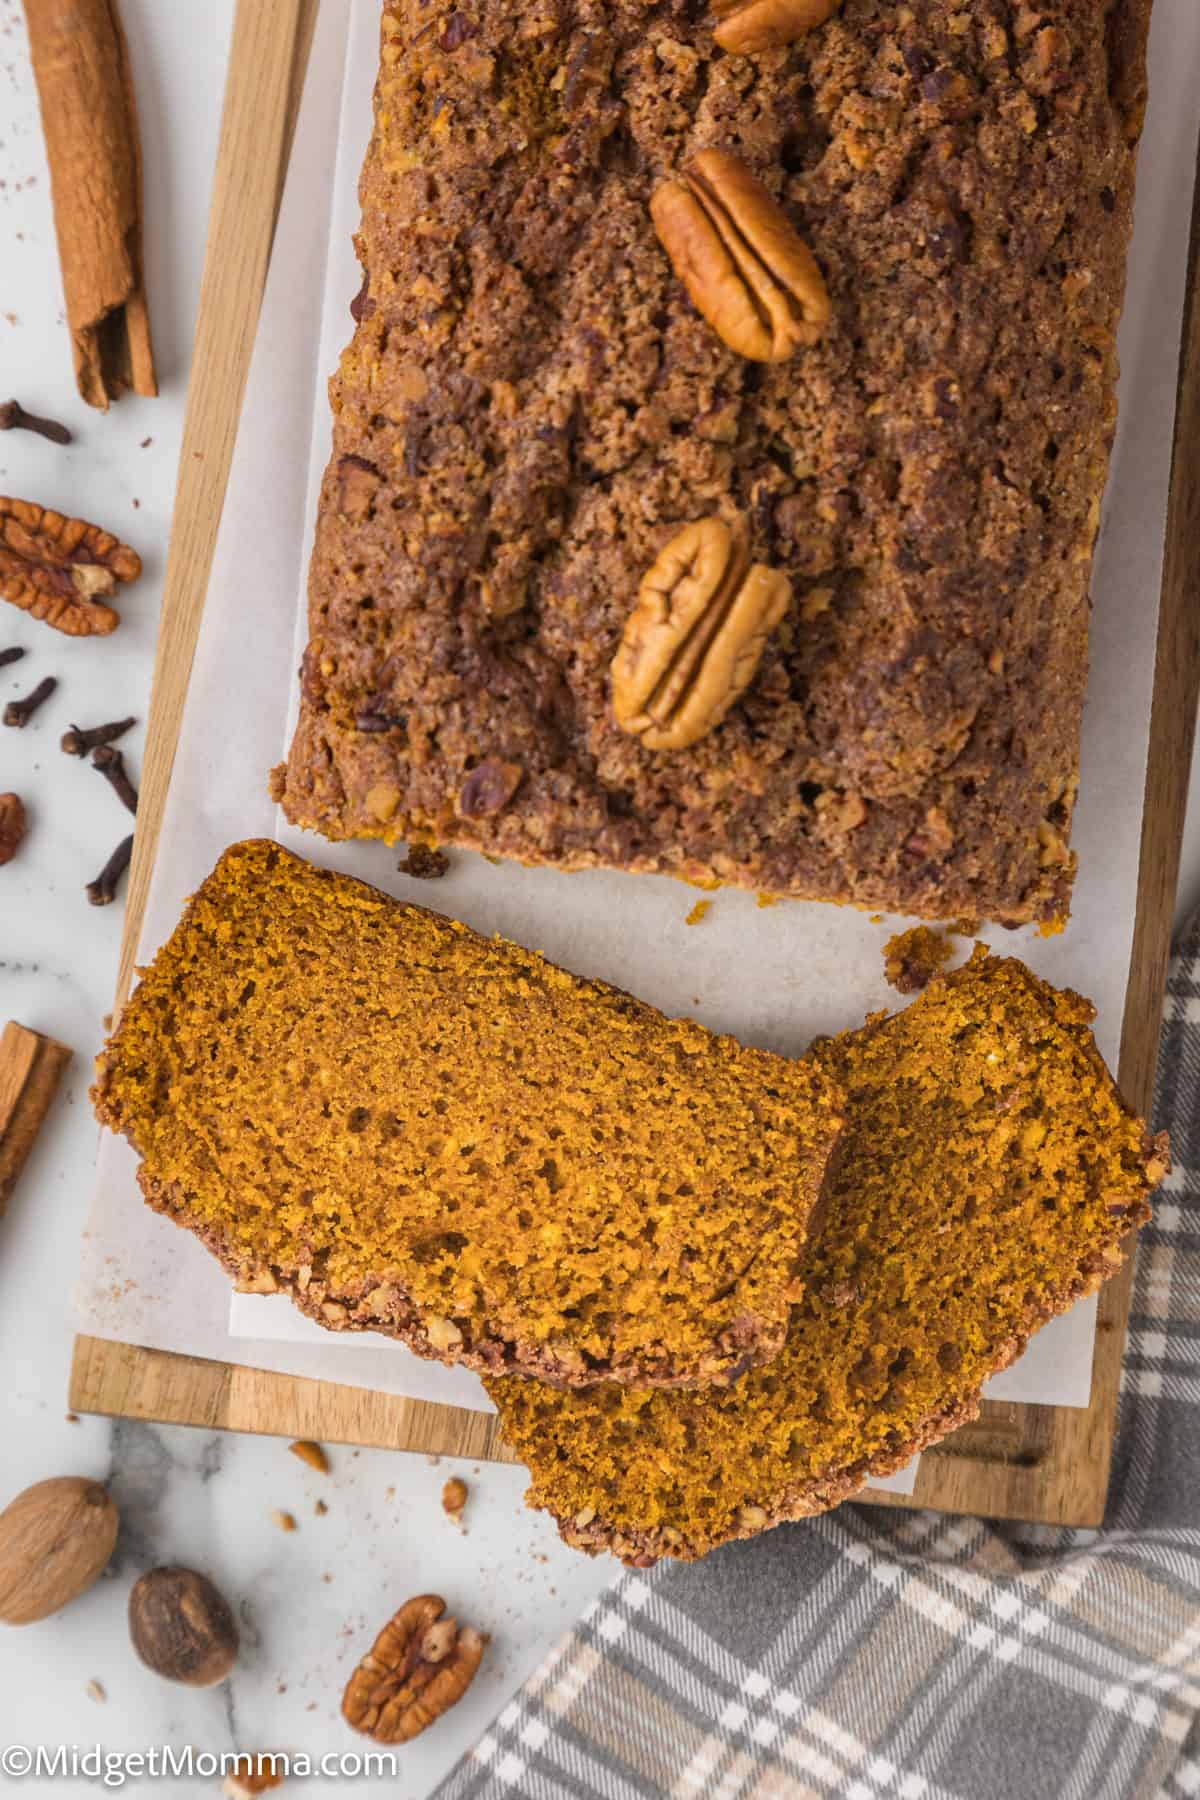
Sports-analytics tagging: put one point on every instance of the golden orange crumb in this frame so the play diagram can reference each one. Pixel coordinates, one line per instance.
(454, 1496)
(312, 1454)
(285, 1520)
(699, 912)
(765, 899)
(1051, 927)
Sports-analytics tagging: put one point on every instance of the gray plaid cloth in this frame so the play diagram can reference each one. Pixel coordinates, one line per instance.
(867, 1654)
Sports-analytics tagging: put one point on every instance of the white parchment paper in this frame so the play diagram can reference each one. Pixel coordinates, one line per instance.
(773, 976)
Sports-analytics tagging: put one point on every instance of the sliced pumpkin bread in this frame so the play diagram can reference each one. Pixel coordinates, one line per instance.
(412, 1129)
(988, 1175)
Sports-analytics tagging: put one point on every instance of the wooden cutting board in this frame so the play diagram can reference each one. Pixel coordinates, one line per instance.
(1048, 1464)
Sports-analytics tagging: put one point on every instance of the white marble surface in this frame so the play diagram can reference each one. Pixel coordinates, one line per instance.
(309, 1601)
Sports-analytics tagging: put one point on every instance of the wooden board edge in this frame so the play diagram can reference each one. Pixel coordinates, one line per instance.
(126, 1381)
(271, 39)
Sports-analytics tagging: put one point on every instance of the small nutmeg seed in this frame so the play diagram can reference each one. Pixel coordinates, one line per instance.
(181, 1627)
(55, 1540)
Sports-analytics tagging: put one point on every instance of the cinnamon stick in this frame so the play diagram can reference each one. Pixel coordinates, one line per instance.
(81, 65)
(31, 1067)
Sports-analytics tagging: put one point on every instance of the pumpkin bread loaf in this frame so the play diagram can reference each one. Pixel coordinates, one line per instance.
(718, 457)
(987, 1174)
(411, 1129)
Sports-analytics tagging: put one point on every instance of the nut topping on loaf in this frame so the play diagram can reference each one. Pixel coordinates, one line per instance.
(692, 642)
(750, 25)
(740, 258)
(542, 409)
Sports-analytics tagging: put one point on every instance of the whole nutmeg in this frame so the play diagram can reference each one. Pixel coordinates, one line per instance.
(181, 1627)
(55, 1540)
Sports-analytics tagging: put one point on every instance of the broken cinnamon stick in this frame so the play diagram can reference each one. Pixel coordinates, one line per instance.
(85, 86)
(31, 1067)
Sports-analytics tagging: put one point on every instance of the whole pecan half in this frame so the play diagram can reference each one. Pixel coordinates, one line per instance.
(62, 570)
(416, 1669)
(750, 25)
(692, 643)
(740, 258)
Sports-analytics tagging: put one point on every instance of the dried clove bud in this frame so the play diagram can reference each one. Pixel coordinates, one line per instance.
(77, 743)
(103, 891)
(12, 655)
(19, 712)
(13, 417)
(111, 765)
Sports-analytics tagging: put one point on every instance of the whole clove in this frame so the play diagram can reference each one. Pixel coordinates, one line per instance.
(13, 417)
(77, 742)
(13, 654)
(19, 712)
(103, 891)
(111, 765)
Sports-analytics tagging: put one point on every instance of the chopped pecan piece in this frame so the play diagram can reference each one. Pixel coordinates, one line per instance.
(253, 1775)
(458, 29)
(489, 788)
(358, 483)
(692, 643)
(62, 570)
(750, 25)
(735, 250)
(12, 826)
(454, 1496)
(362, 306)
(418, 1666)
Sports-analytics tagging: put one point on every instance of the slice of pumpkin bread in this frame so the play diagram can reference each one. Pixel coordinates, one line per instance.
(412, 1129)
(986, 1176)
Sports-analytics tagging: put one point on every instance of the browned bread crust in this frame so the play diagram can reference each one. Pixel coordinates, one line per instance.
(531, 408)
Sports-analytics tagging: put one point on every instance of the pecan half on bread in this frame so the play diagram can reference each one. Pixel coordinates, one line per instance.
(746, 268)
(692, 643)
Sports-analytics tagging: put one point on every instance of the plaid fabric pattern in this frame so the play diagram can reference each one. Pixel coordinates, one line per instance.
(867, 1654)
